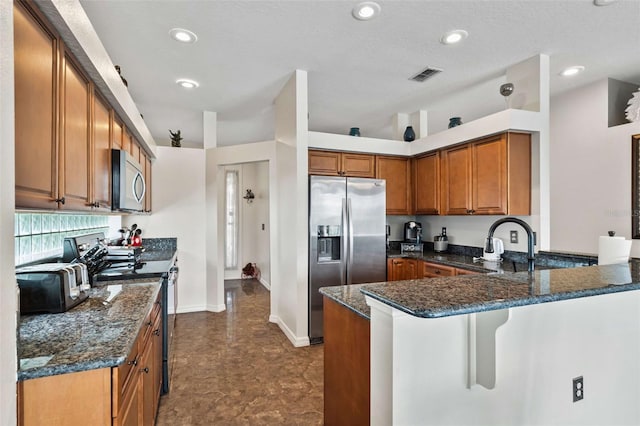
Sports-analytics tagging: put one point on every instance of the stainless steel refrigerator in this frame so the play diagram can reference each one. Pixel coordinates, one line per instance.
(347, 237)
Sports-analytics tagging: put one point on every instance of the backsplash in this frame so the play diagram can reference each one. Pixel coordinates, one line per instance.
(40, 235)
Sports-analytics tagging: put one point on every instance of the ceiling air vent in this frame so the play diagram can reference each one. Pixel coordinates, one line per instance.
(425, 74)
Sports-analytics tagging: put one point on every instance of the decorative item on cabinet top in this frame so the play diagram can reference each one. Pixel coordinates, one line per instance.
(409, 134)
(175, 139)
(455, 121)
(354, 131)
(633, 109)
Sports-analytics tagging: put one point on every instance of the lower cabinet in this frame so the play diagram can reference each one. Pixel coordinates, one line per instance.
(403, 269)
(434, 270)
(346, 366)
(411, 269)
(126, 395)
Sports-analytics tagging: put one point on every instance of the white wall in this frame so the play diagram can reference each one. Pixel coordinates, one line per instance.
(292, 133)
(590, 171)
(8, 305)
(178, 196)
(255, 215)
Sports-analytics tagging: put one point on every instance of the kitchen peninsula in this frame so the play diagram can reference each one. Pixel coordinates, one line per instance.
(503, 348)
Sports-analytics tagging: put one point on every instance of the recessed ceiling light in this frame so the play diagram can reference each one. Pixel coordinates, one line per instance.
(187, 84)
(571, 71)
(366, 10)
(603, 2)
(182, 35)
(453, 37)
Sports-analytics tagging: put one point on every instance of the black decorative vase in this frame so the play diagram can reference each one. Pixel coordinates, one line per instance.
(455, 121)
(354, 131)
(409, 134)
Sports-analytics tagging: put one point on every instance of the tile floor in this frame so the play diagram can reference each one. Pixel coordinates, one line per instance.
(235, 367)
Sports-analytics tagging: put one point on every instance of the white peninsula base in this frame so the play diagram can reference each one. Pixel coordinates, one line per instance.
(512, 366)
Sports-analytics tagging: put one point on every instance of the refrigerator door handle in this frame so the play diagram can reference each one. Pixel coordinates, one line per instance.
(344, 248)
(350, 256)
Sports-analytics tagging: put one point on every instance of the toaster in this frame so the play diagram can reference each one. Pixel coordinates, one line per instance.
(52, 287)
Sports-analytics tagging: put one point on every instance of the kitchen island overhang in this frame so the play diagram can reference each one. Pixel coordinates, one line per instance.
(504, 349)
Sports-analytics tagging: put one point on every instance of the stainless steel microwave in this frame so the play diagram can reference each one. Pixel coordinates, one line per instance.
(128, 185)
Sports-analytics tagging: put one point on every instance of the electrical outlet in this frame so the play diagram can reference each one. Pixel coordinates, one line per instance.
(578, 389)
(514, 237)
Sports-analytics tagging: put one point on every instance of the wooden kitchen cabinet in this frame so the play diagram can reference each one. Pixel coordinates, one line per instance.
(347, 386)
(145, 163)
(397, 172)
(36, 71)
(433, 270)
(75, 149)
(466, 272)
(62, 126)
(489, 176)
(117, 132)
(334, 163)
(126, 395)
(402, 269)
(426, 174)
(101, 183)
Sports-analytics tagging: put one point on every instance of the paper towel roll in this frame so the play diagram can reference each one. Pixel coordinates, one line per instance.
(612, 250)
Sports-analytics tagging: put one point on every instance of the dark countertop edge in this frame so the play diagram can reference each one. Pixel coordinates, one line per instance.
(445, 262)
(108, 362)
(345, 304)
(505, 304)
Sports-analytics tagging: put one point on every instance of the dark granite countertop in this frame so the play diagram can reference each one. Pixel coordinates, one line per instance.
(157, 255)
(350, 297)
(97, 333)
(439, 297)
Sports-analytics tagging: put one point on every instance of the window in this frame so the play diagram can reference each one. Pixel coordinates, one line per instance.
(232, 218)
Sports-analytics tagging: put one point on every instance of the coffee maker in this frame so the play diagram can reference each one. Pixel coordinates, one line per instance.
(413, 232)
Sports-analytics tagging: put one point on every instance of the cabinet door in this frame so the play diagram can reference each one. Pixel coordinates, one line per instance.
(411, 270)
(130, 413)
(358, 165)
(466, 272)
(427, 184)
(36, 91)
(101, 154)
(489, 176)
(324, 163)
(75, 148)
(126, 140)
(117, 131)
(456, 180)
(147, 180)
(396, 269)
(135, 151)
(156, 339)
(147, 385)
(397, 172)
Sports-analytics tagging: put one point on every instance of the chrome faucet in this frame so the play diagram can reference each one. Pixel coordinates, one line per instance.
(531, 238)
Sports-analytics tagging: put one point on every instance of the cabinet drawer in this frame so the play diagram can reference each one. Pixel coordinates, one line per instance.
(124, 377)
(431, 270)
(466, 272)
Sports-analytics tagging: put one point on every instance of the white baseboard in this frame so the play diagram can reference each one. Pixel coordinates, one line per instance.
(216, 308)
(297, 342)
(192, 308)
(265, 284)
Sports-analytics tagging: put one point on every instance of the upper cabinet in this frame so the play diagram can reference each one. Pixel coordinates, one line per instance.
(397, 172)
(64, 129)
(74, 156)
(36, 109)
(333, 163)
(426, 184)
(488, 176)
(101, 183)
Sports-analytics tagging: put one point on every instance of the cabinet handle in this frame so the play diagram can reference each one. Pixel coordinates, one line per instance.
(144, 370)
(156, 332)
(438, 271)
(149, 324)
(60, 200)
(134, 362)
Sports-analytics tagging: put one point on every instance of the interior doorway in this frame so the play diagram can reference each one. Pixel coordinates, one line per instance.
(246, 219)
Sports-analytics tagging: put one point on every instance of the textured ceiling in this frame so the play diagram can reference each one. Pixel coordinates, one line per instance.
(358, 70)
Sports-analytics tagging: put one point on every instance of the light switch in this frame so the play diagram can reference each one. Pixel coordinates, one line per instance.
(263, 226)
